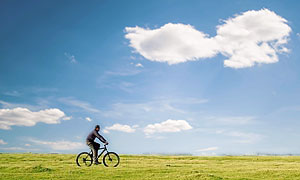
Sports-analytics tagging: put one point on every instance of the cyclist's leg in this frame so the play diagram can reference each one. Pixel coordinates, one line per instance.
(95, 152)
(96, 147)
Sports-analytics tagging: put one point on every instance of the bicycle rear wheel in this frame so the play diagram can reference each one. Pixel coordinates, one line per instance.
(84, 159)
(111, 159)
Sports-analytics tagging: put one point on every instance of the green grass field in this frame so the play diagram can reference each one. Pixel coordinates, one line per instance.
(63, 166)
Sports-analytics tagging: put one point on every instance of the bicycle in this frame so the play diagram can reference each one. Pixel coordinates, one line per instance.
(110, 159)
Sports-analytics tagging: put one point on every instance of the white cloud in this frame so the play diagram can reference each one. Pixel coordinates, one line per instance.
(172, 43)
(2, 142)
(24, 117)
(70, 57)
(208, 149)
(88, 119)
(253, 37)
(298, 34)
(59, 145)
(120, 127)
(167, 126)
(139, 65)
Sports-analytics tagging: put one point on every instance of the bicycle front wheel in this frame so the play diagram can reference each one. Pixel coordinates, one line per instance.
(84, 159)
(111, 159)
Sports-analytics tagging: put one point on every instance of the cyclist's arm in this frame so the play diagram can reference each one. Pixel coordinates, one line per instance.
(101, 138)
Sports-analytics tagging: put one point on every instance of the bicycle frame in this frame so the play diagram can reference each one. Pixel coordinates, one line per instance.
(99, 155)
(104, 149)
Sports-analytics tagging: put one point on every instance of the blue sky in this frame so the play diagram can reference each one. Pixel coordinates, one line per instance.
(147, 73)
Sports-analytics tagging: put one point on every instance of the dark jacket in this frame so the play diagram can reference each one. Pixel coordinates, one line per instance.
(92, 136)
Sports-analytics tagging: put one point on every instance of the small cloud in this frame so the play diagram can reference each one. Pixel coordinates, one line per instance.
(139, 65)
(88, 119)
(120, 127)
(27, 145)
(298, 34)
(70, 57)
(2, 142)
(208, 149)
(167, 126)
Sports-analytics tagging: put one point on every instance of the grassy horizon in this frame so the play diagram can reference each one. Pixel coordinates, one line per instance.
(63, 166)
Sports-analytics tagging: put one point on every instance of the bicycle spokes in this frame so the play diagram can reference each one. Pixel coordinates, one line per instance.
(84, 159)
(111, 159)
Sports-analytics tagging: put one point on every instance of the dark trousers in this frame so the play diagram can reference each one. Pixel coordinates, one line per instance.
(94, 147)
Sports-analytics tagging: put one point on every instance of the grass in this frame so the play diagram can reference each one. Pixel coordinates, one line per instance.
(63, 166)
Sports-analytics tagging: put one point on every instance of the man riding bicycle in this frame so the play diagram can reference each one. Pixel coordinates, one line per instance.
(90, 141)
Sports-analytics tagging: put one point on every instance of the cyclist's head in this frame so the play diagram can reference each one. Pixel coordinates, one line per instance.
(97, 127)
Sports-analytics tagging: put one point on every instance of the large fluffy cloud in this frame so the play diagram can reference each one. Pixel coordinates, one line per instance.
(24, 117)
(172, 43)
(167, 126)
(253, 37)
(250, 38)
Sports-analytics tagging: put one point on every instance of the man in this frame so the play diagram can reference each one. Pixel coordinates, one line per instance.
(90, 141)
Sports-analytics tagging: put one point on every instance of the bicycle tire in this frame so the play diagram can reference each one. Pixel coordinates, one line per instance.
(84, 158)
(111, 159)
